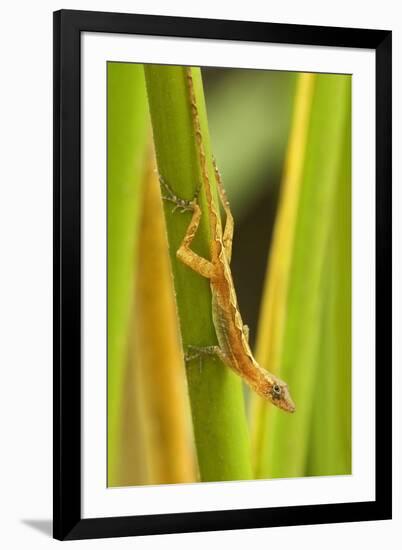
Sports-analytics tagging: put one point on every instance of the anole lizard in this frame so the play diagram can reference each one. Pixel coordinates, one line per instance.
(233, 349)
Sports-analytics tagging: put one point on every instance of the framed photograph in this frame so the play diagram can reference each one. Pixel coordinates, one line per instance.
(222, 274)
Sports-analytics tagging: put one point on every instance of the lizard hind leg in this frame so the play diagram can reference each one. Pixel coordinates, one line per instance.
(229, 223)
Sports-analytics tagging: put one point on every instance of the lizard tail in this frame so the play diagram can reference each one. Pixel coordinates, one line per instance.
(202, 156)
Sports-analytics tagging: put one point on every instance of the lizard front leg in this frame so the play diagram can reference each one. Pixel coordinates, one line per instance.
(197, 263)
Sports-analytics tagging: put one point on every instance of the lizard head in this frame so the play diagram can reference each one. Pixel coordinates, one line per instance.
(278, 393)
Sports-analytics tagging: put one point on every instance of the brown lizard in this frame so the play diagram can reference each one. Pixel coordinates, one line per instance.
(233, 349)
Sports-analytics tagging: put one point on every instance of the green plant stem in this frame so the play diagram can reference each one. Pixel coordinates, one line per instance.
(216, 397)
(283, 448)
(127, 141)
(330, 444)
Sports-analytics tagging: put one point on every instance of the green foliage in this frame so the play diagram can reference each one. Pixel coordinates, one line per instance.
(330, 444)
(315, 336)
(127, 141)
(315, 346)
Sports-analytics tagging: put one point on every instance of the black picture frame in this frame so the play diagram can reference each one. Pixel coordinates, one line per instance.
(68, 522)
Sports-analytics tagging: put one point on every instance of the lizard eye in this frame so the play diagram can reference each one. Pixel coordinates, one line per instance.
(276, 390)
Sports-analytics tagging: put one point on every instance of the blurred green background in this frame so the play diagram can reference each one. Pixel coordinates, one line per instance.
(282, 144)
